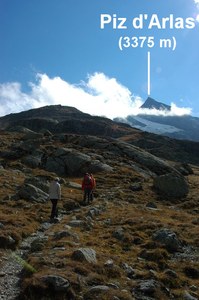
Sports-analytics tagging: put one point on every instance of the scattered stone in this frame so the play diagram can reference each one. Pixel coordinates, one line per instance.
(136, 187)
(193, 288)
(191, 272)
(96, 291)
(119, 234)
(7, 242)
(93, 212)
(1, 226)
(85, 254)
(38, 244)
(63, 234)
(151, 205)
(167, 238)
(70, 205)
(171, 273)
(130, 272)
(58, 283)
(188, 296)
(77, 223)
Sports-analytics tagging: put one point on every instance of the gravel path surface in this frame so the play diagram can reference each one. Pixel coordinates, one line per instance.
(10, 266)
(9, 278)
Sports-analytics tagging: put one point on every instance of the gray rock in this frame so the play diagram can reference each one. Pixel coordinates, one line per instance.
(7, 242)
(70, 205)
(97, 166)
(188, 296)
(31, 161)
(136, 187)
(147, 289)
(32, 193)
(171, 186)
(167, 238)
(192, 272)
(85, 254)
(38, 244)
(76, 223)
(95, 292)
(130, 272)
(171, 273)
(58, 283)
(63, 234)
(40, 182)
(65, 161)
(119, 234)
(143, 158)
(151, 205)
(94, 211)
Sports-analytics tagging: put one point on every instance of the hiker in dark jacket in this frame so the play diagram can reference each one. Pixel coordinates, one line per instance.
(87, 186)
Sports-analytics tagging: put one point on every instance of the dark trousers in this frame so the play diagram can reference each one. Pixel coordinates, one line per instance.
(87, 195)
(54, 208)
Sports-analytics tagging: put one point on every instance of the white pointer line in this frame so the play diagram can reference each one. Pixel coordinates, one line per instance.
(149, 73)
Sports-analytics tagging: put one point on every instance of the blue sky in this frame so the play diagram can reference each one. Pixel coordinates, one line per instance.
(55, 52)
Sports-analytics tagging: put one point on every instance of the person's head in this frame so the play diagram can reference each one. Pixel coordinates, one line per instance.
(56, 179)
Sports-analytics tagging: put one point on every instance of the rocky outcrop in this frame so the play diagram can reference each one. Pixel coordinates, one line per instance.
(65, 161)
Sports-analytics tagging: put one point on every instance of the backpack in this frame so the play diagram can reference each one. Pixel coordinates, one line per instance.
(87, 180)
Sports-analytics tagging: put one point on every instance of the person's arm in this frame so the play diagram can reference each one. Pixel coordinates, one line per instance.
(59, 191)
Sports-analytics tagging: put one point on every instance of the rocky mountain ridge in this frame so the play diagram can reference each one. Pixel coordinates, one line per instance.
(179, 127)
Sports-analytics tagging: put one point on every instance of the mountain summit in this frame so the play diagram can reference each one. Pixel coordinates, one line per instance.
(179, 127)
(150, 103)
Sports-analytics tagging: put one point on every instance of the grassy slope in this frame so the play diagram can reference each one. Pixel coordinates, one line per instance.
(121, 208)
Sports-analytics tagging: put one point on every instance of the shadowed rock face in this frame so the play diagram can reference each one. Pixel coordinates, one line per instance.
(59, 119)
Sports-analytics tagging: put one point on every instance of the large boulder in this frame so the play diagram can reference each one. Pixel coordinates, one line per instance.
(171, 185)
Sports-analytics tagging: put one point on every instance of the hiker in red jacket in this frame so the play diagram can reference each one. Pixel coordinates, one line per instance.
(87, 186)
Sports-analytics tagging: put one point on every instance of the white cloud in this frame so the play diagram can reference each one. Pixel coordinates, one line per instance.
(98, 95)
(197, 6)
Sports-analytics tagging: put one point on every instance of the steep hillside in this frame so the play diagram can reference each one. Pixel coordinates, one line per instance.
(136, 240)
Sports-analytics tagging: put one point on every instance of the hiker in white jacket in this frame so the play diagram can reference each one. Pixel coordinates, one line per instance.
(54, 196)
